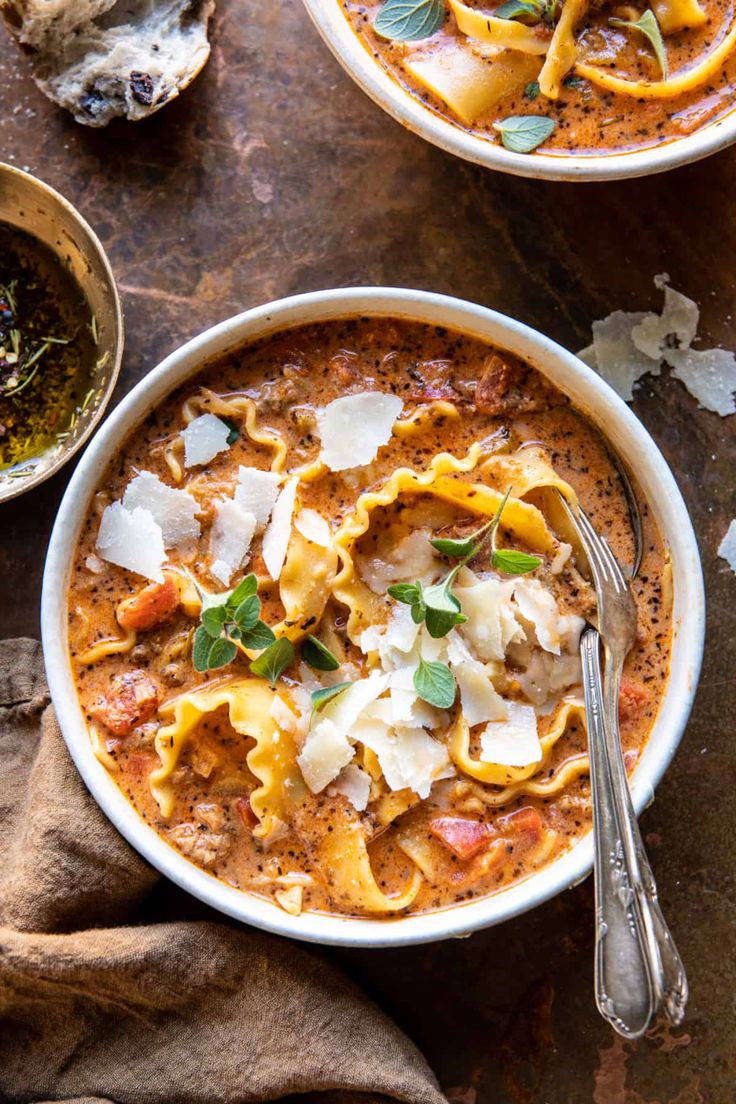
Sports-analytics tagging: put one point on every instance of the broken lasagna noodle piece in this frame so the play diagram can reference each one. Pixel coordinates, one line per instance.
(360, 524)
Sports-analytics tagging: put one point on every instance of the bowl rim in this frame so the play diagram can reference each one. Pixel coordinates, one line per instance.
(68, 452)
(589, 393)
(331, 21)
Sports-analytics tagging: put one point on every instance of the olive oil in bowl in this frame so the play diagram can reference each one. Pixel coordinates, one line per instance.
(48, 353)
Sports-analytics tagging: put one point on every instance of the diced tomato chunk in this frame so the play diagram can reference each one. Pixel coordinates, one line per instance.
(246, 814)
(465, 838)
(140, 765)
(632, 697)
(150, 607)
(131, 700)
(523, 822)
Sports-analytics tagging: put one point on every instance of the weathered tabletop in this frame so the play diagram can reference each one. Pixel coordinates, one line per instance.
(274, 174)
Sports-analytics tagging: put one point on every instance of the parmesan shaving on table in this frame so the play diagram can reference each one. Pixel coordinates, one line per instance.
(727, 547)
(630, 344)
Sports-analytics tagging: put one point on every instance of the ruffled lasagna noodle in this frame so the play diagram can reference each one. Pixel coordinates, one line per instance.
(317, 472)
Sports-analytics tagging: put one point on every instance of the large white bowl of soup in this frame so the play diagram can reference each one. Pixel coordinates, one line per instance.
(559, 90)
(311, 615)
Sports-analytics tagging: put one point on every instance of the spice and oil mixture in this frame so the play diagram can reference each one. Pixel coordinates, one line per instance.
(324, 618)
(559, 76)
(47, 349)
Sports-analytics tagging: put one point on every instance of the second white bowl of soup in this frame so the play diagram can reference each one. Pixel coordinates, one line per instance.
(571, 91)
(312, 637)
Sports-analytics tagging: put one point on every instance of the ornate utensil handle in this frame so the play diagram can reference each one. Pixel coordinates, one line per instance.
(625, 989)
(665, 962)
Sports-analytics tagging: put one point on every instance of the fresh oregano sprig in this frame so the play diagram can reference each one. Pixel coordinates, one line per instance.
(436, 605)
(227, 620)
(409, 20)
(648, 26)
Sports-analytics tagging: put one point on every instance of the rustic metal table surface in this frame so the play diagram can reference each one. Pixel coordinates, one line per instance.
(274, 174)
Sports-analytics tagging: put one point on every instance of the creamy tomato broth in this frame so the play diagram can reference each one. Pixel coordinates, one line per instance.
(453, 761)
(582, 67)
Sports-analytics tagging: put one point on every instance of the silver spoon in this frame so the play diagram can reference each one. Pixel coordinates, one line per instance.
(638, 971)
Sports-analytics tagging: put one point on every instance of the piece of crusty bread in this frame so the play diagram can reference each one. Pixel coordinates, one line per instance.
(102, 58)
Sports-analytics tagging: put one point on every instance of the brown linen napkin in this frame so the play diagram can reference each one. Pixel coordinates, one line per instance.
(96, 1004)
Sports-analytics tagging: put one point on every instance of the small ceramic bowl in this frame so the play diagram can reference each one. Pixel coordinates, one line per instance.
(332, 23)
(32, 206)
(589, 393)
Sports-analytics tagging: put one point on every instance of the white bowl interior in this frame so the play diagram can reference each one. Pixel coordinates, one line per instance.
(589, 393)
(332, 23)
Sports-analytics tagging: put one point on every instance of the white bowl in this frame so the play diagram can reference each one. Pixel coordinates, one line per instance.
(332, 23)
(589, 393)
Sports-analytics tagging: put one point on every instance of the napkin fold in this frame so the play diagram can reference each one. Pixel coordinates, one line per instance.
(100, 1003)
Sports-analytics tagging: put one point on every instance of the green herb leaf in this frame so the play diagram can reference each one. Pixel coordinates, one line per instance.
(244, 589)
(418, 612)
(523, 133)
(649, 27)
(456, 548)
(201, 650)
(248, 613)
(213, 620)
(222, 652)
(519, 9)
(514, 563)
(408, 593)
(318, 656)
(260, 636)
(440, 597)
(276, 658)
(532, 90)
(409, 20)
(434, 683)
(321, 697)
(234, 433)
(439, 622)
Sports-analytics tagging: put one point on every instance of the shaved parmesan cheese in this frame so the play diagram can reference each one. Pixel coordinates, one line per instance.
(394, 640)
(326, 751)
(478, 696)
(409, 757)
(203, 439)
(314, 528)
(232, 532)
(512, 742)
(132, 539)
(679, 320)
(537, 605)
(172, 510)
(546, 676)
(354, 784)
(94, 564)
(491, 624)
(615, 356)
(411, 559)
(708, 374)
(727, 547)
(344, 709)
(257, 492)
(354, 427)
(626, 345)
(286, 718)
(407, 708)
(276, 537)
(562, 555)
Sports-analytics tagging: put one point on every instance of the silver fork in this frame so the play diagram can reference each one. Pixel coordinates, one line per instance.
(638, 971)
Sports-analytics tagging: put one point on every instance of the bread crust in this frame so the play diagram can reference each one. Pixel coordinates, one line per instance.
(105, 58)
